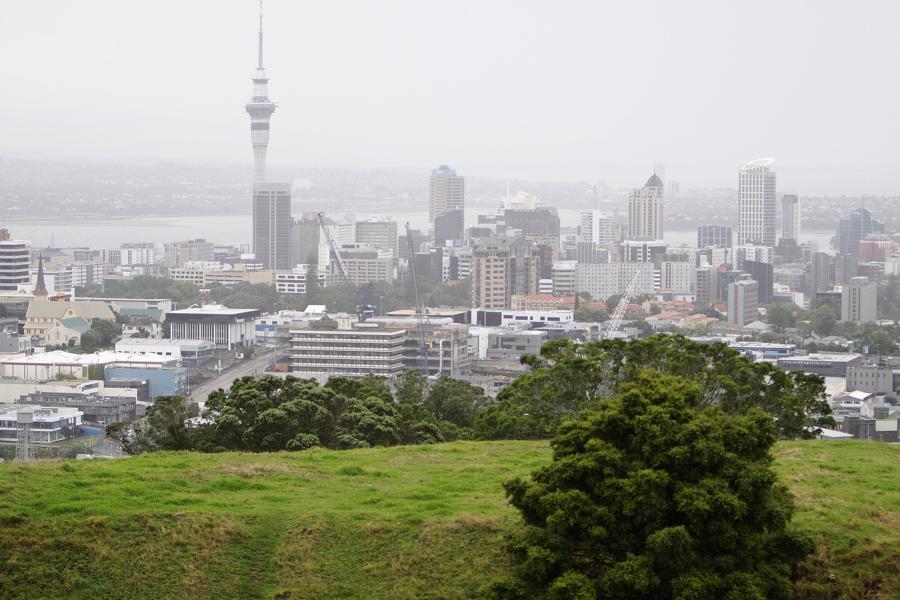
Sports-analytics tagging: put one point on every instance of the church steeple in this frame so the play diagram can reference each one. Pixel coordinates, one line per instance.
(40, 288)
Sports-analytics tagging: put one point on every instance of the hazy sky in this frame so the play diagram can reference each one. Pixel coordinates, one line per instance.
(544, 89)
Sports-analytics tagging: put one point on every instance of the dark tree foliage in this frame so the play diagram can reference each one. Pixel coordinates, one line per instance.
(567, 378)
(268, 413)
(101, 335)
(655, 494)
(165, 427)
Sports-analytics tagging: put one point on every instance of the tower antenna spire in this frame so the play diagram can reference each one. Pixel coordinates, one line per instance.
(260, 35)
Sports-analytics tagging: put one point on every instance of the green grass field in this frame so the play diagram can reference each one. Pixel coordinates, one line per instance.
(406, 522)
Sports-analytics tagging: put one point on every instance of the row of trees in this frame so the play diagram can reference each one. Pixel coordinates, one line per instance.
(270, 413)
(265, 297)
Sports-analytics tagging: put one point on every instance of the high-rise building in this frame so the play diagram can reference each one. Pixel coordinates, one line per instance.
(272, 225)
(645, 210)
(533, 222)
(854, 229)
(447, 191)
(449, 226)
(846, 267)
(502, 268)
(742, 301)
(764, 275)
(597, 227)
(790, 217)
(260, 109)
(756, 203)
(764, 254)
(178, 253)
(305, 233)
(821, 275)
(859, 300)
(603, 280)
(377, 233)
(15, 260)
(678, 277)
(706, 285)
(714, 236)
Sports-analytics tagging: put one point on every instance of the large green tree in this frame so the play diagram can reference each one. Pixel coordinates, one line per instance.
(567, 378)
(655, 494)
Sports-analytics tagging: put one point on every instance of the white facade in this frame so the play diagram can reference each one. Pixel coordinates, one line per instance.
(763, 254)
(607, 279)
(597, 227)
(756, 203)
(49, 424)
(859, 300)
(174, 348)
(227, 328)
(680, 277)
(323, 353)
(294, 281)
(56, 281)
(564, 277)
(15, 262)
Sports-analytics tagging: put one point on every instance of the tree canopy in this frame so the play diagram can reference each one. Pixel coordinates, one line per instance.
(567, 378)
(655, 494)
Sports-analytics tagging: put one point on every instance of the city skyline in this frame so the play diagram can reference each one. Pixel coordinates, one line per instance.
(700, 130)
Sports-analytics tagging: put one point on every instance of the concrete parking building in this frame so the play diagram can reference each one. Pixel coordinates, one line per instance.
(320, 353)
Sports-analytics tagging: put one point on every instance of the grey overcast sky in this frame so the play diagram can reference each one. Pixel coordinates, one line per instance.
(592, 90)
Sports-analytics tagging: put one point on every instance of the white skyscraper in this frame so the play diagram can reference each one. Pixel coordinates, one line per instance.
(756, 203)
(447, 191)
(260, 109)
(596, 227)
(790, 213)
(645, 210)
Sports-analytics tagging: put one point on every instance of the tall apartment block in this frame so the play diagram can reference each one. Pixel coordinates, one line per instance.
(645, 210)
(790, 217)
(447, 191)
(756, 203)
(859, 300)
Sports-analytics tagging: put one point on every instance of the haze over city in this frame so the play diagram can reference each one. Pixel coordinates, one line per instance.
(573, 90)
(398, 300)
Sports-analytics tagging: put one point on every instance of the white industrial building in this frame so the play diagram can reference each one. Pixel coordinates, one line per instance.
(50, 365)
(185, 349)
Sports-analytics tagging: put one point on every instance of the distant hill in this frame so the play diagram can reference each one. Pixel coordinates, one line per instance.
(400, 523)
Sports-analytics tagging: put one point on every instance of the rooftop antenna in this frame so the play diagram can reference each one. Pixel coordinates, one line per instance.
(260, 35)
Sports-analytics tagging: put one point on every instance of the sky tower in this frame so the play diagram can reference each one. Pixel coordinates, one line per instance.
(260, 109)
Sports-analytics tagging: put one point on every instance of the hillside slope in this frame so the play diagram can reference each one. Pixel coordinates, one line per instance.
(405, 522)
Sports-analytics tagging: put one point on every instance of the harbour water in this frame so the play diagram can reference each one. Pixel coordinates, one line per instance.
(235, 229)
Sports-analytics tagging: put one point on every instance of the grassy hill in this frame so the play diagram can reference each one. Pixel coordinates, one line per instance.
(406, 522)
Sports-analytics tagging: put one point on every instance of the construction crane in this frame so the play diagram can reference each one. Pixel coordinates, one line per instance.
(333, 249)
(616, 320)
(420, 310)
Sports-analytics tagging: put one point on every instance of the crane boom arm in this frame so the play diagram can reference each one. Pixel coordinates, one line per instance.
(332, 247)
(616, 320)
(420, 310)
